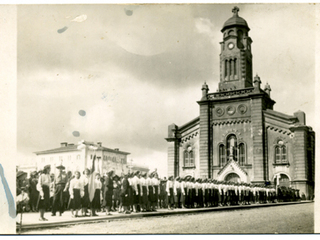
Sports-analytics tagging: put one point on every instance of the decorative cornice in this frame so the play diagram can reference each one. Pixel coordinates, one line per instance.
(227, 121)
(190, 136)
(279, 130)
(224, 94)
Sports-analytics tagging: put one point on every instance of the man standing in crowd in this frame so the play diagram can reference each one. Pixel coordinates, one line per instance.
(163, 193)
(60, 182)
(177, 192)
(108, 191)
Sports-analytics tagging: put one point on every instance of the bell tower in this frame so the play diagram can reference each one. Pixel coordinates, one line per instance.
(235, 56)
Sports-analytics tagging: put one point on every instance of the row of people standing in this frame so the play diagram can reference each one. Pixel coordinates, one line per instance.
(189, 192)
(136, 192)
(80, 194)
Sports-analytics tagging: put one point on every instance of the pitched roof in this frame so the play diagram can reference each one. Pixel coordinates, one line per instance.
(190, 124)
(74, 148)
(68, 148)
(280, 115)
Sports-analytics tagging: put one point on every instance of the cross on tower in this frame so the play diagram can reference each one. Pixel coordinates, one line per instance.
(235, 10)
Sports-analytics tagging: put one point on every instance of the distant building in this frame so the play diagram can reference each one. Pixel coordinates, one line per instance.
(238, 136)
(77, 157)
(140, 168)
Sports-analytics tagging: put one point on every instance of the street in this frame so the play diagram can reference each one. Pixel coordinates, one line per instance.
(277, 219)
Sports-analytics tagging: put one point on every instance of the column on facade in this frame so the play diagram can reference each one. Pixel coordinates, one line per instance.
(300, 159)
(232, 69)
(228, 69)
(204, 141)
(258, 146)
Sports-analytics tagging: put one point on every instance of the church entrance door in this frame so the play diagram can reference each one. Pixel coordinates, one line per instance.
(284, 181)
(232, 177)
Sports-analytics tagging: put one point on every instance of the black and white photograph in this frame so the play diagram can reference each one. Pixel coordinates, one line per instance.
(159, 118)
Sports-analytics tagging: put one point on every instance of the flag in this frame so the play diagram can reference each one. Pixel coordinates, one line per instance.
(91, 185)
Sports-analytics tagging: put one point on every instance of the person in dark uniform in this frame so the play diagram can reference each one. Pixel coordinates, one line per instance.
(125, 194)
(103, 206)
(163, 194)
(33, 192)
(108, 191)
(44, 192)
(116, 194)
(60, 182)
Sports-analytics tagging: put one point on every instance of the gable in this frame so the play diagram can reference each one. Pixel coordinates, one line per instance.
(232, 167)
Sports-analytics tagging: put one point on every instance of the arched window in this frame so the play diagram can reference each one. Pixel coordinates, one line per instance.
(188, 157)
(280, 153)
(242, 154)
(191, 159)
(232, 147)
(222, 155)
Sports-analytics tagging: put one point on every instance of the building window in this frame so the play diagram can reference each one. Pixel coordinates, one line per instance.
(43, 160)
(222, 155)
(78, 157)
(232, 147)
(242, 154)
(51, 159)
(280, 153)
(188, 157)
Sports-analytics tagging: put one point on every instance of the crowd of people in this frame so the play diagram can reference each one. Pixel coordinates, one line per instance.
(88, 193)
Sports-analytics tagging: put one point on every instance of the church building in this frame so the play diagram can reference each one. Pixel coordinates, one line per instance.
(238, 136)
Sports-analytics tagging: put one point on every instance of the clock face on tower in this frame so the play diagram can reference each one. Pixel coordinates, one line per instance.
(230, 46)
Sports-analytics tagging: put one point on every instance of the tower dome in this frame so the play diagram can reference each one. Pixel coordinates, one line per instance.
(235, 20)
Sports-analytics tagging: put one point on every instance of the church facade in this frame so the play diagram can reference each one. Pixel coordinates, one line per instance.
(238, 136)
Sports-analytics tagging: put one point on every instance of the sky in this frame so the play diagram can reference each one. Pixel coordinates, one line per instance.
(135, 69)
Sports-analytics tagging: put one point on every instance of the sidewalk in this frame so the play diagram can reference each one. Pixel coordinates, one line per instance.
(31, 220)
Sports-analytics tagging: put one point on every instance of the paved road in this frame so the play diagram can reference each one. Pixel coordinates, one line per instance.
(279, 219)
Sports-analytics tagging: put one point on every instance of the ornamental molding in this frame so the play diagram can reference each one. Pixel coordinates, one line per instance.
(280, 130)
(238, 92)
(230, 122)
(232, 167)
(189, 137)
(230, 109)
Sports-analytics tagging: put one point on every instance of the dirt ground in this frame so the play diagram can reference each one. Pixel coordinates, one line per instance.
(278, 219)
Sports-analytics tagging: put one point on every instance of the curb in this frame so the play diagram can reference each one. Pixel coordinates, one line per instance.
(151, 214)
